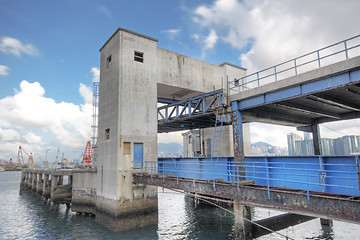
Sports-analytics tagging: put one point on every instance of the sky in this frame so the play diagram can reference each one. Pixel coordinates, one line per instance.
(49, 56)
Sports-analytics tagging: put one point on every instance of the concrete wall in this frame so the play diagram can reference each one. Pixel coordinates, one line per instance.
(226, 144)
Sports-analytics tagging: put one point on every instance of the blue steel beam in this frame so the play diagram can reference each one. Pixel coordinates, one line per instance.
(301, 89)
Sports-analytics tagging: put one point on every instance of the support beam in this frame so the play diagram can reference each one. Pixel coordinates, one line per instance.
(335, 102)
(307, 110)
(316, 139)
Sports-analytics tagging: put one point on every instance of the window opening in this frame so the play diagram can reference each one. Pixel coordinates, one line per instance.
(107, 134)
(109, 61)
(138, 56)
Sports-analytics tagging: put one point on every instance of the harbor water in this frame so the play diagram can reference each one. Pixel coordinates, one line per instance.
(180, 217)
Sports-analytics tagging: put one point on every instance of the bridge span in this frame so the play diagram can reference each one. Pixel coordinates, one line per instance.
(318, 87)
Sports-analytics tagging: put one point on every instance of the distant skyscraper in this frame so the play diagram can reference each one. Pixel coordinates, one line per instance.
(291, 139)
(340, 146)
(307, 136)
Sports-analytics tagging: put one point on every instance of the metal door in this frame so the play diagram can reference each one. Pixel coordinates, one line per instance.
(138, 154)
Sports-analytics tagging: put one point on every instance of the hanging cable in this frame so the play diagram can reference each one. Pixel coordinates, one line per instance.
(204, 199)
(335, 130)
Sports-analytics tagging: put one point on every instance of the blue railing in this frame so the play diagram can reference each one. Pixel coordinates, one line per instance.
(339, 51)
(330, 174)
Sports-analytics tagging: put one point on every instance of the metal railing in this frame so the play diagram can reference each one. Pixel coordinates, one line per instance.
(341, 50)
(330, 174)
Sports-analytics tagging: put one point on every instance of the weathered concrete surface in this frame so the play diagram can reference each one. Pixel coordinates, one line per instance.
(84, 192)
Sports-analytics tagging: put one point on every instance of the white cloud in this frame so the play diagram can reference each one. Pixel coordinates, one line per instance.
(172, 137)
(14, 46)
(278, 30)
(96, 74)
(28, 112)
(104, 10)
(4, 70)
(86, 93)
(172, 33)
(266, 33)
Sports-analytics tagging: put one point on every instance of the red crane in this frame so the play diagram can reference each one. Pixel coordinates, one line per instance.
(87, 157)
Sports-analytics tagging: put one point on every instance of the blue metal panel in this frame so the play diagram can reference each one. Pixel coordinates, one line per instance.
(251, 102)
(282, 94)
(355, 76)
(331, 174)
(341, 79)
(138, 154)
(316, 85)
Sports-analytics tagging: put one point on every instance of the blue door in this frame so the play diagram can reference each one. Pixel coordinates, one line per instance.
(138, 155)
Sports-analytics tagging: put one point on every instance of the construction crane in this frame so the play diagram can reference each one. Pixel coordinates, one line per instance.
(20, 159)
(87, 157)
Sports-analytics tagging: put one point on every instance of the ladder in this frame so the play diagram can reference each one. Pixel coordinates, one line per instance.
(217, 137)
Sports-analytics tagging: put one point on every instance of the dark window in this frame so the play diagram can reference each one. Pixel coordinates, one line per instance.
(108, 61)
(138, 56)
(107, 134)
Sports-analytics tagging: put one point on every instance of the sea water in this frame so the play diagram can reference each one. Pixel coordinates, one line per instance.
(180, 217)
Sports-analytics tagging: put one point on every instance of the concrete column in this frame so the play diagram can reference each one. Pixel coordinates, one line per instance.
(46, 188)
(22, 180)
(29, 180)
(318, 151)
(40, 183)
(316, 139)
(54, 184)
(242, 227)
(239, 155)
(34, 182)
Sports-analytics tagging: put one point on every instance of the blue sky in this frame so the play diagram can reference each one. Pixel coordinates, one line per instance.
(49, 54)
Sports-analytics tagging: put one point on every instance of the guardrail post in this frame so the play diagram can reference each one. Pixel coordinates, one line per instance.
(346, 50)
(258, 80)
(267, 176)
(295, 66)
(275, 73)
(318, 56)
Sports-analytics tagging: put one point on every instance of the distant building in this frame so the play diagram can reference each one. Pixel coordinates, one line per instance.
(339, 146)
(291, 139)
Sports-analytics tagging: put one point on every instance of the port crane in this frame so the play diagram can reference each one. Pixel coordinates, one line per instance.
(20, 159)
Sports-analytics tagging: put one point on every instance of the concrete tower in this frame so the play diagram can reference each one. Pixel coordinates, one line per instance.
(134, 73)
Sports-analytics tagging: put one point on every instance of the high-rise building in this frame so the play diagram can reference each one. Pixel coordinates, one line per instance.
(291, 139)
(345, 145)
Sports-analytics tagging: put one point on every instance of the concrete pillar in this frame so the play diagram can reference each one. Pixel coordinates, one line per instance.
(34, 182)
(239, 155)
(318, 151)
(22, 180)
(40, 184)
(316, 139)
(243, 228)
(46, 187)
